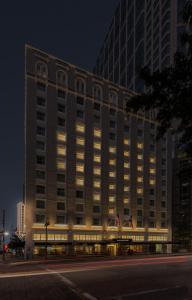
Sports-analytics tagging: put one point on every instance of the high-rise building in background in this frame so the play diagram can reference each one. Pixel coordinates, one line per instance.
(20, 219)
(142, 33)
(94, 175)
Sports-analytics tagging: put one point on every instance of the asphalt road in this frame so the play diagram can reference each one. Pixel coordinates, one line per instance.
(128, 279)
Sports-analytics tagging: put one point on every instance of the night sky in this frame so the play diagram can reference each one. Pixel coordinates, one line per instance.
(70, 29)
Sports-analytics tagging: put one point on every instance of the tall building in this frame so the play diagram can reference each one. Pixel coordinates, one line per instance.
(20, 218)
(142, 33)
(94, 175)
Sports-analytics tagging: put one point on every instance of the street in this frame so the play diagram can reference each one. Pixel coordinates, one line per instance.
(156, 278)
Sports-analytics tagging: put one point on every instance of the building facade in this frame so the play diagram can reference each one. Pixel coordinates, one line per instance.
(142, 33)
(20, 219)
(94, 173)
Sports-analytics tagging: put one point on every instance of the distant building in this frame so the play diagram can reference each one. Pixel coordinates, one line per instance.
(93, 173)
(20, 218)
(142, 33)
(182, 203)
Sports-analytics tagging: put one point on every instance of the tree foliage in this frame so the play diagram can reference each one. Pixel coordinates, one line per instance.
(169, 91)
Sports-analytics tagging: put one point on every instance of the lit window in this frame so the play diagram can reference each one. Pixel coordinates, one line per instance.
(112, 186)
(126, 177)
(152, 171)
(97, 145)
(61, 164)
(80, 181)
(97, 183)
(112, 198)
(80, 155)
(112, 149)
(97, 132)
(97, 158)
(61, 136)
(126, 201)
(139, 191)
(112, 162)
(126, 165)
(96, 197)
(139, 179)
(80, 168)
(126, 142)
(152, 182)
(80, 141)
(80, 127)
(111, 211)
(112, 174)
(126, 153)
(97, 171)
(140, 156)
(126, 188)
(152, 160)
(140, 145)
(140, 168)
(61, 150)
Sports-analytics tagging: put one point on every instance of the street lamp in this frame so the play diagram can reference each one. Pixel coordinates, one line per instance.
(46, 234)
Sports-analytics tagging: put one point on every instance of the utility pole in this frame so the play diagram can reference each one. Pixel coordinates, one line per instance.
(3, 238)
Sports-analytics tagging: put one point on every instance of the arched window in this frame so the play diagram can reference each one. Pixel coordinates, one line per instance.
(97, 92)
(61, 78)
(113, 98)
(41, 69)
(80, 86)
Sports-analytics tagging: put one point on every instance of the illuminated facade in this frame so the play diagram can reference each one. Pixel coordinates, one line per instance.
(93, 173)
(20, 219)
(142, 33)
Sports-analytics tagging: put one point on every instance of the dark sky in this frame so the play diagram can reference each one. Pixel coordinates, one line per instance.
(70, 29)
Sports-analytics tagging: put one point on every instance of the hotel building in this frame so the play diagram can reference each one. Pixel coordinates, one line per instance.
(94, 173)
(142, 33)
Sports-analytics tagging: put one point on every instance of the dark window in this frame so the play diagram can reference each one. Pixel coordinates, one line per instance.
(79, 194)
(97, 106)
(40, 130)
(41, 86)
(40, 116)
(40, 219)
(112, 136)
(80, 100)
(96, 209)
(40, 204)
(112, 124)
(60, 206)
(163, 215)
(151, 202)
(97, 118)
(41, 101)
(61, 107)
(139, 223)
(152, 147)
(80, 113)
(61, 122)
(163, 224)
(126, 128)
(40, 145)
(139, 213)
(112, 112)
(61, 177)
(152, 191)
(60, 219)
(163, 204)
(126, 211)
(151, 224)
(61, 94)
(60, 192)
(139, 132)
(40, 174)
(96, 221)
(152, 214)
(79, 220)
(139, 201)
(40, 189)
(163, 193)
(79, 207)
(40, 160)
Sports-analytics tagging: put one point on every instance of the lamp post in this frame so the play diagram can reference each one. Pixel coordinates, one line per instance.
(3, 238)
(46, 234)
